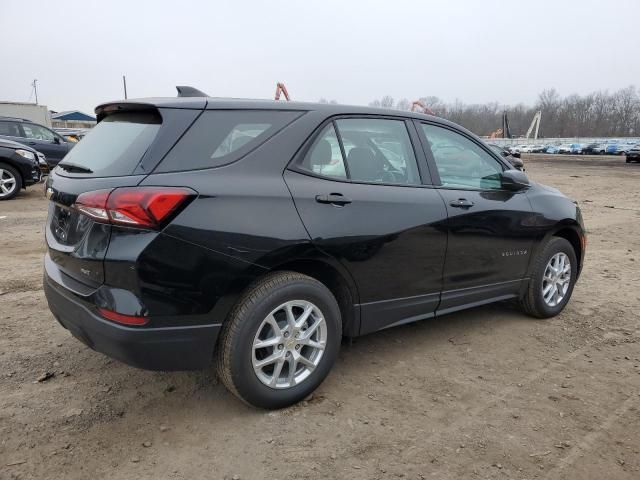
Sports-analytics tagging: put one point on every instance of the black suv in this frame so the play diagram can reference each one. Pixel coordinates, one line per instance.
(262, 232)
(53, 145)
(19, 168)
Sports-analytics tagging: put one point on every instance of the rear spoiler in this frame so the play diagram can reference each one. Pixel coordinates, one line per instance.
(109, 108)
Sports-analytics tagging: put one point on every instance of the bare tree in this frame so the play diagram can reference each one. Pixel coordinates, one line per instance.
(403, 104)
(386, 102)
(598, 114)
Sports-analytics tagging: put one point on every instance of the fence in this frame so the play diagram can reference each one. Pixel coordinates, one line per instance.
(559, 141)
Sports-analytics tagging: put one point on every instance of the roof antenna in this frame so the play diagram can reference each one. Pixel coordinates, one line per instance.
(186, 91)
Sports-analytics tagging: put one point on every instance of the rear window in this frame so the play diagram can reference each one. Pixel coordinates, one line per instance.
(220, 137)
(116, 145)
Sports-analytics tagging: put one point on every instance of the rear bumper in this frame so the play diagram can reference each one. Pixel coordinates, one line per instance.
(167, 348)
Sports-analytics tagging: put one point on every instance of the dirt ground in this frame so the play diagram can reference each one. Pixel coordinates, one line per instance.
(486, 393)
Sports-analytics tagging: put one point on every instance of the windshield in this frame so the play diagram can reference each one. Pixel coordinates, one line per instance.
(115, 146)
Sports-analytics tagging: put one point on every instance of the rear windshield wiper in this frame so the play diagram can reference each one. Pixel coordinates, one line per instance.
(73, 167)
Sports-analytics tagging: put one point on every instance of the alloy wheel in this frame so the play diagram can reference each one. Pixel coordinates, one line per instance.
(289, 344)
(7, 183)
(556, 279)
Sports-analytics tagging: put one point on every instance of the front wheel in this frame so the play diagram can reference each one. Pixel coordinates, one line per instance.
(554, 275)
(10, 182)
(280, 340)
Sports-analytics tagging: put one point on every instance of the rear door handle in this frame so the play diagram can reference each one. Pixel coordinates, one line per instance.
(32, 143)
(461, 203)
(333, 199)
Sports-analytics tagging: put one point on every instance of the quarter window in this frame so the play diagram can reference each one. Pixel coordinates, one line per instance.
(462, 163)
(220, 137)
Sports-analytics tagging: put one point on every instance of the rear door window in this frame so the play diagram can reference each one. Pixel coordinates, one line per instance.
(220, 137)
(378, 151)
(115, 146)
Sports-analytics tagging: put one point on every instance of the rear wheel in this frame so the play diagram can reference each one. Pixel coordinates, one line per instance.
(280, 340)
(10, 182)
(554, 275)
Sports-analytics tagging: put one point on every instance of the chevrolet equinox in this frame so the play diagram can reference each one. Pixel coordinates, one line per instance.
(260, 233)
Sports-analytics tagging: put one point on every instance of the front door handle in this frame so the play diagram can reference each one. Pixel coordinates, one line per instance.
(333, 199)
(32, 143)
(461, 203)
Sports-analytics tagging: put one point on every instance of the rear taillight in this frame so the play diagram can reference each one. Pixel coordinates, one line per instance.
(148, 207)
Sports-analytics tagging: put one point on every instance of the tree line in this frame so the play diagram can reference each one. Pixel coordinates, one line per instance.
(598, 114)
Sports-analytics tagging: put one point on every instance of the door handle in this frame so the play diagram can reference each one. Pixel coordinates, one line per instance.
(461, 203)
(333, 199)
(32, 143)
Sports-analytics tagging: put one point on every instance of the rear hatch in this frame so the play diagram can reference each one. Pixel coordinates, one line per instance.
(126, 144)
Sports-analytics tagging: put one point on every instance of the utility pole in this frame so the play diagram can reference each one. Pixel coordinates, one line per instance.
(35, 88)
(124, 83)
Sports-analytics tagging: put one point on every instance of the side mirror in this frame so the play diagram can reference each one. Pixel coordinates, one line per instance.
(514, 180)
(56, 140)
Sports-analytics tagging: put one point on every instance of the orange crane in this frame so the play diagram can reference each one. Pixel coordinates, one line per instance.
(496, 134)
(281, 89)
(425, 109)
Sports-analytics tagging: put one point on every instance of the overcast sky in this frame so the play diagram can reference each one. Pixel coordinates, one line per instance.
(350, 51)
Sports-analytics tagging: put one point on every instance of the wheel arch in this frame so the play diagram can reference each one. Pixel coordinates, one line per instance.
(570, 233)
(337, 281)
(570, 230)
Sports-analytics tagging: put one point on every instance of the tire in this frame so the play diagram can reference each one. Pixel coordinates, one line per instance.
(248, 321)
(10, 180)
(627, 160)
(533, 302)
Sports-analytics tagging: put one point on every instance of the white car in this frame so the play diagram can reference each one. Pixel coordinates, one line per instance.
(527, 148)
(564, 148)
(517, 148)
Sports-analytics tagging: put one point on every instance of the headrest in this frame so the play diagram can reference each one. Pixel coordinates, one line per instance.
(363, 164)
(321, 154)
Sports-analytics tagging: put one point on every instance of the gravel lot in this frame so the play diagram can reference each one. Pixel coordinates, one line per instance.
(486, 393)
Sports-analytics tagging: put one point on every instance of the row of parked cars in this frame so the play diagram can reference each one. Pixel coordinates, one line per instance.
(602, 148)
(27, 152)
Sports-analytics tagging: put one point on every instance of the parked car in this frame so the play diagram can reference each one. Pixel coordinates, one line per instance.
(623, 148)
(612, 148)
(53, 145)
(517, 149)
(212, 227)
(554, 149)
(576, 148)
(633, 155)
(538, 148)
(594, 149)
(19, 168)
(564, 148)
(72, 134)
(515, 162)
